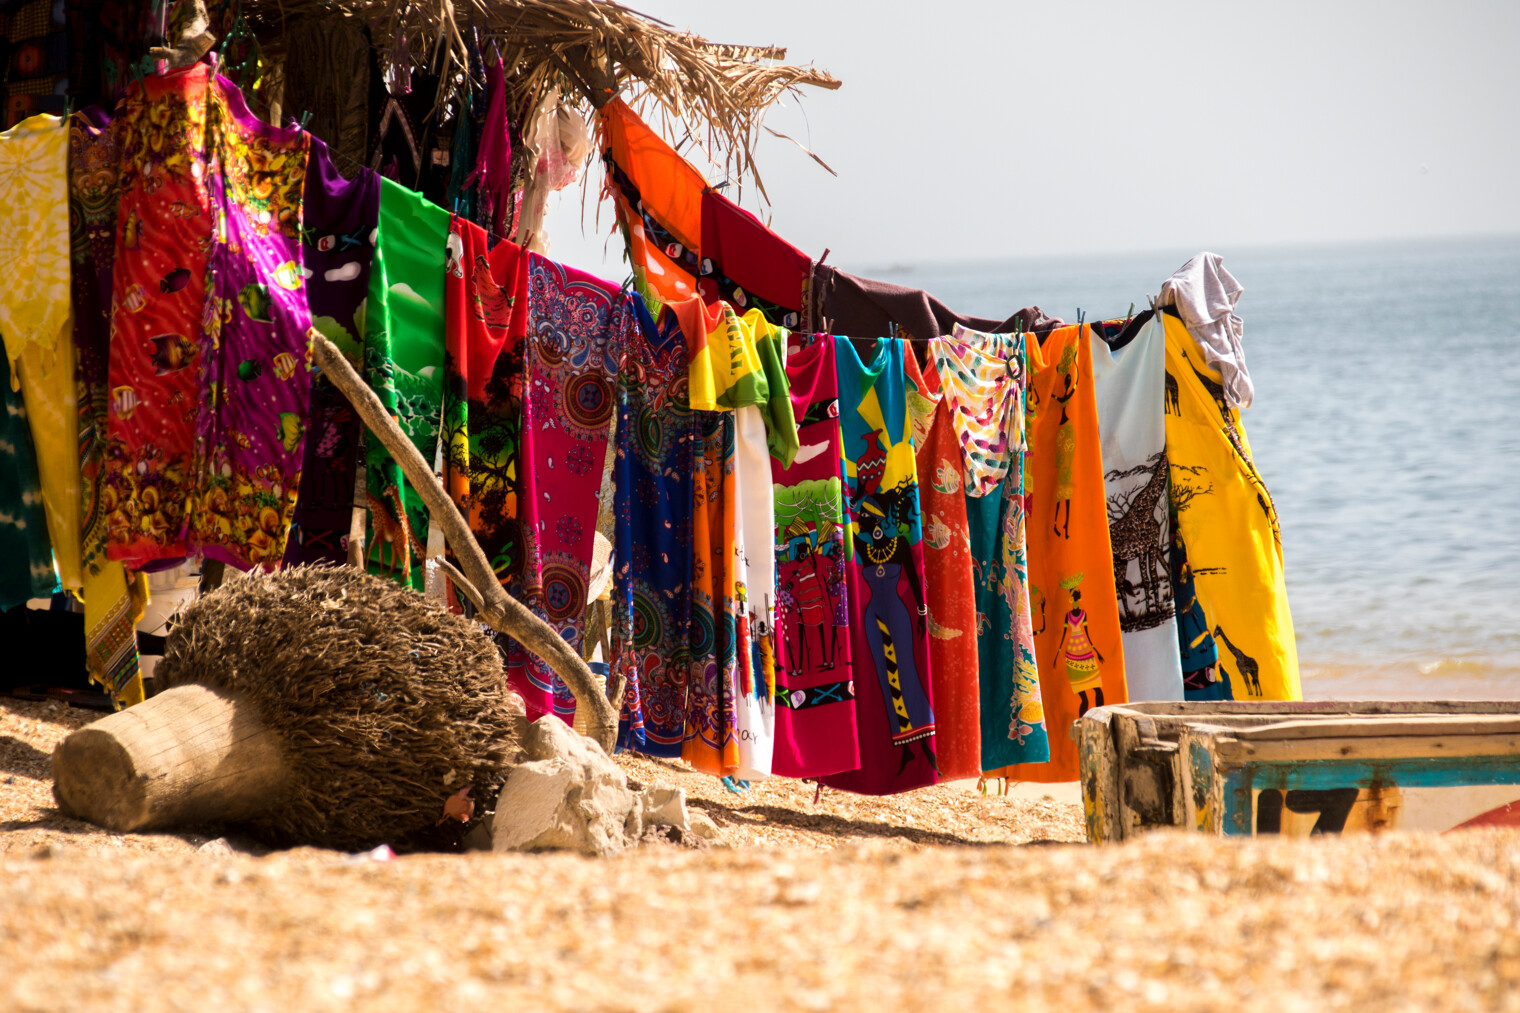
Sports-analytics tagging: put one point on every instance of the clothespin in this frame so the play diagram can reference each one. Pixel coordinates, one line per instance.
(305, 118)
(68, 106)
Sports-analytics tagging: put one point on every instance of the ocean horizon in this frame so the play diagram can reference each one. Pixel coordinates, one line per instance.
(1386, 425)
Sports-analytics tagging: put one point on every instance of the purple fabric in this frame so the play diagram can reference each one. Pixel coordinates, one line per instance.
(255, 380)
(340, 218)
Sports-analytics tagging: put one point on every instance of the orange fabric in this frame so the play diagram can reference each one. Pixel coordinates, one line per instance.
(671, 190)
(952, 597)
(1068, 544)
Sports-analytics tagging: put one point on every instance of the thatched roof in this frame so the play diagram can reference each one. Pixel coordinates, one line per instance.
(714, 94)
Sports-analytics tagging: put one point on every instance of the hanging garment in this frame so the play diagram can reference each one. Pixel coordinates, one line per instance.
(26, 556)
(761, 430)
(652, 584)
(889, 649)
(112, 595)
(486, 311)
(1205, 295)
(1129, 384)
(37, 59)
(815, 697)
(736, 365)
(1229, 526)
(160, 309)
(710, 741)
(747, 265)
(846, 304)
(339, 221)
(36, 319)
(950, 592)
(984, 377)
(404, 364)
(327, 68)
(492, 176)
(1071, 576)
(658, 196)
(255, 384)
(577, 329)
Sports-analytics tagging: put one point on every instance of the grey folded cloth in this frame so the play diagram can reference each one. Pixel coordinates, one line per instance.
(1205, 295)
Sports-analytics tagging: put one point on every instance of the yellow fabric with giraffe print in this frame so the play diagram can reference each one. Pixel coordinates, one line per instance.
(1227, 521)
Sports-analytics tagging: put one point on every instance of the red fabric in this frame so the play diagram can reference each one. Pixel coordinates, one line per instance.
(751, 255)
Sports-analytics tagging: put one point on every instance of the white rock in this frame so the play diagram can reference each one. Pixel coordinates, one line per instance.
(664, 806)
(568, 796)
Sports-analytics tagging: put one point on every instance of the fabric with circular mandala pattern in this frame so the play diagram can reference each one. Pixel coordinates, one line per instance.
(577, 328)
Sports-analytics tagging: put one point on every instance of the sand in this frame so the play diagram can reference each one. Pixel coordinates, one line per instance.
(934, 900)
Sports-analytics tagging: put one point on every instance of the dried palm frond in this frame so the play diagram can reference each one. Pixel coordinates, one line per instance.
(711, 94)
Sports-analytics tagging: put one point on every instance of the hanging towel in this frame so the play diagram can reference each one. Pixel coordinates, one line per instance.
(1205, 294)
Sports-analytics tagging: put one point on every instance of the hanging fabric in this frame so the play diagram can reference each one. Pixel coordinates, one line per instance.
(710, 740)
(340, 217)
(255, 383)
(26, 555)
(578, 326)
(113, 596)
(856, 307)
(984, 376)
(1129, 385)
(889, 650)
(1071, 579)
(815, 695)
(36, 319)
(652, 584)
(950, 590)
(492, 177)
(1228, 525)
(404, 365)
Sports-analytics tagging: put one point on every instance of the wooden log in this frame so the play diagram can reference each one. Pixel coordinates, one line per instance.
(478, 583)
(188, 756)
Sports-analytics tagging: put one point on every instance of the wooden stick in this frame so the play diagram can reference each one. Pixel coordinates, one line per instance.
(499, 610)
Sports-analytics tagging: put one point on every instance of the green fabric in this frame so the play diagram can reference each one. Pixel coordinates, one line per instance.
(26, 555)
(403, 362)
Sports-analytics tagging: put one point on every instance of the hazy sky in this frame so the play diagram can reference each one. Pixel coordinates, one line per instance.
(1009, 129)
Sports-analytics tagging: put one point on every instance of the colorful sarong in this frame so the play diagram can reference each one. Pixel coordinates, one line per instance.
(984, 377)
(404, 365)
(36, 319)
(339, 218)
(815, 697)
(1229, 527)
(889, 649)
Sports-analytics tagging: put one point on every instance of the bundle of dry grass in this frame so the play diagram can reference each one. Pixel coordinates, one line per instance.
(384, 703)
(593, 49)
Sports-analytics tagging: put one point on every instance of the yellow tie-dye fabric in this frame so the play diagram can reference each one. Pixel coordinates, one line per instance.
(36, 318)
(1229, 524)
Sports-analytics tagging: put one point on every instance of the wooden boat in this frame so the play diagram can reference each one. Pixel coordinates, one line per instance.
(1300, 768)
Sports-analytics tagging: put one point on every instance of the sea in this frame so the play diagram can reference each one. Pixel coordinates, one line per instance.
(1386, 424)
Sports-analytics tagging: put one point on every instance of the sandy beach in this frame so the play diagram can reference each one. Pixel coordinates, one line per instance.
(940, 899)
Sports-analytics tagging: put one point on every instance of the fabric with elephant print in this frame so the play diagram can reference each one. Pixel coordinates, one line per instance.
(1229, 526)
(1128, 383)
(889, 649)
(984, 377)
(815, 700)
(1073, 605)
(403, 364)
(652, 581)
(339, 218)
(577, 328)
